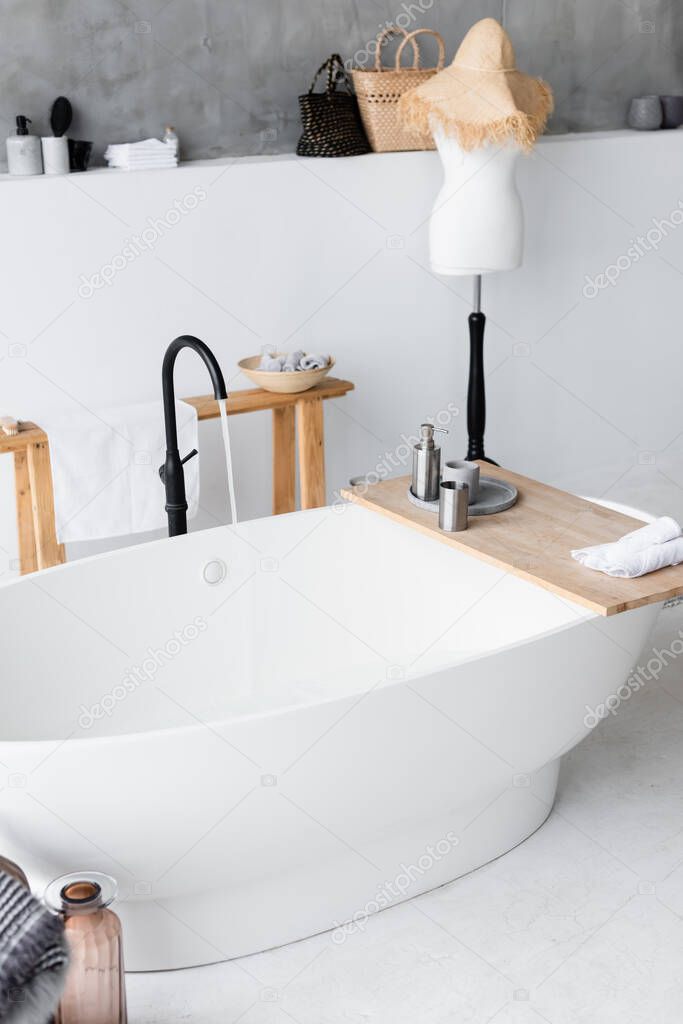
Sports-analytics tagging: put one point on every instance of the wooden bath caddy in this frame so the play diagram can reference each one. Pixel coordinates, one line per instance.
(533, 540)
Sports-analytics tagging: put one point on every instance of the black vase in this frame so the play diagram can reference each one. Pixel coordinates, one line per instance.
(79, 154)
(672, 108)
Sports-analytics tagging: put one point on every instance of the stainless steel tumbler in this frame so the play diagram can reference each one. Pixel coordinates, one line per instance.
(453, 501)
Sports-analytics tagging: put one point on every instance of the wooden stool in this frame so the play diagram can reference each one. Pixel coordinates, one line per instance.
(294, 417)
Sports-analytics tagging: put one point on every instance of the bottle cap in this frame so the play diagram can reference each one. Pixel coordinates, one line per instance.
(22, 124)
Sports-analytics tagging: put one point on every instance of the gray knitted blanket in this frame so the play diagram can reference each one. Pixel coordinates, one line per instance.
(33, 956)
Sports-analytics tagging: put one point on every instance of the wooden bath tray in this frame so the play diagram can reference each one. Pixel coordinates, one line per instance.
(533, 539)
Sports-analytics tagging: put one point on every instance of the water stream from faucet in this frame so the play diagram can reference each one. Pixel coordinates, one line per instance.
(228, 458)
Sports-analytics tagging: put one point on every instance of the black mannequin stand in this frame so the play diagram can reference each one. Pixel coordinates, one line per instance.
(476, 392)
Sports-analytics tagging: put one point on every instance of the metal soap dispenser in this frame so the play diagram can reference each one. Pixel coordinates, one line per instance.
(427, 464)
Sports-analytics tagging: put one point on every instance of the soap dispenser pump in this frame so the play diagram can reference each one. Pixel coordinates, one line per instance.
(24, 152)
(427, 464)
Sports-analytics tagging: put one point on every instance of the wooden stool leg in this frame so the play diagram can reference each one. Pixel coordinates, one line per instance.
(28, 561)
(309, 416)
(284, 460)
(48, 550)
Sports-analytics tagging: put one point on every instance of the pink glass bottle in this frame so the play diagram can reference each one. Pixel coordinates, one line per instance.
(95, 991)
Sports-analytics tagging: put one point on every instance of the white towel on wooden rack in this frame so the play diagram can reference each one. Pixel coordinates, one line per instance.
(105, 469)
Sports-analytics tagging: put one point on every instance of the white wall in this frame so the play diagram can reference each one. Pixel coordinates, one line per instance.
(331, 255)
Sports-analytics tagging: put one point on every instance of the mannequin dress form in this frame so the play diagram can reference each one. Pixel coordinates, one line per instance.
(477, 224)
(476, 227)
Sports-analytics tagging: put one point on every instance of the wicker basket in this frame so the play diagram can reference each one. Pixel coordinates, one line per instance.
(330, 120)
(379, 91)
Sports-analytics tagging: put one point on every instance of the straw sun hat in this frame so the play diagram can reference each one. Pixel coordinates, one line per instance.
(481, 97)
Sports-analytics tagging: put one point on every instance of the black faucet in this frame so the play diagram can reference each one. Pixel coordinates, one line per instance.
(172, 472)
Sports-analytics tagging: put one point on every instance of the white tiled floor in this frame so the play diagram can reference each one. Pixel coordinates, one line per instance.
(581, 924)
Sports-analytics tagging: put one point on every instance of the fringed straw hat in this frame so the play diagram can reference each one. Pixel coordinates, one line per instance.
(481, 97)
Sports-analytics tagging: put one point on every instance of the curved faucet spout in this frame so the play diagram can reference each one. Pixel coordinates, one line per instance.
(168, 389)
(172, 471)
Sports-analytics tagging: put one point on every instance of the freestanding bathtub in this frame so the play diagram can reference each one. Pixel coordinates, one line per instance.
(274, 730)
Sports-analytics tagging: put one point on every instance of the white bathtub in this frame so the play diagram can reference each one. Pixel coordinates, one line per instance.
(355, 715)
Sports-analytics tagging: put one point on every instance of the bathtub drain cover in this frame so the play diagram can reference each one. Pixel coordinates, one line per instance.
(214, 572)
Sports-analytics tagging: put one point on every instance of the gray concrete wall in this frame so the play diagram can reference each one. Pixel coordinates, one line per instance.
(227, 72)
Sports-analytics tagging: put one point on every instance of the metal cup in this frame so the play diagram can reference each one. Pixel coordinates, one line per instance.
(453, 502)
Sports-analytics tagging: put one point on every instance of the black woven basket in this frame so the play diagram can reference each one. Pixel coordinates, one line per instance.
(331, 120)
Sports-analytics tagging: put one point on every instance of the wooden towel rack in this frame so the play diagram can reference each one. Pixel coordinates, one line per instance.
(298, 416)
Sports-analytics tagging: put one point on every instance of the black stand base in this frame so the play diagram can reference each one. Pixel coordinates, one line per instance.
(476, 394)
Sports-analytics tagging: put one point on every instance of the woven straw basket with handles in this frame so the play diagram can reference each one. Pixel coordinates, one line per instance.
(380, 90)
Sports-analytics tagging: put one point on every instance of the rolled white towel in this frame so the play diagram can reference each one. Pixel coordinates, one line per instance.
(644, 550)
(604, 556)
(638, 563)
(313, 362)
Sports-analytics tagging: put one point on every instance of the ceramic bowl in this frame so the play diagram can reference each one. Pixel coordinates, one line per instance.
(284, 383)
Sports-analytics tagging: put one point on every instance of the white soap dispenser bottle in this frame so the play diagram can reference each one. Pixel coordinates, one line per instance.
(24, 152)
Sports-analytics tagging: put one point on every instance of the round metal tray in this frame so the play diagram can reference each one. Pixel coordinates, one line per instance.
(494, 496)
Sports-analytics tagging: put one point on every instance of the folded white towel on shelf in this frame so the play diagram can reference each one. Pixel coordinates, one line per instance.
(651, 547)
(105, 469)
(142, 155)
(149, 161)
(139, 164)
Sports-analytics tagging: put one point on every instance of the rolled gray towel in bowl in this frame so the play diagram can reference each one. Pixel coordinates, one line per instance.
(292, 361)
(271, 362)
(313, 362)
(33, 956)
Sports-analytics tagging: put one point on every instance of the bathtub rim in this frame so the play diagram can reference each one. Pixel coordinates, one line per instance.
(584, 615)
(130, 549)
